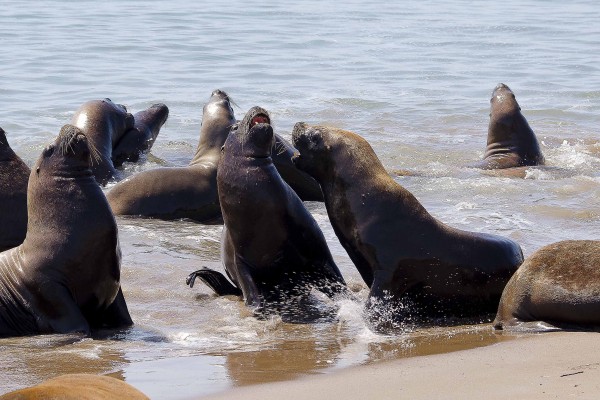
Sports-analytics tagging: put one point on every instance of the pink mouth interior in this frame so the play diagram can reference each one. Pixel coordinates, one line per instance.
(259, 119)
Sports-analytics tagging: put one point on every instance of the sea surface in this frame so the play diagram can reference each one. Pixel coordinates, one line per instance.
(413, 78)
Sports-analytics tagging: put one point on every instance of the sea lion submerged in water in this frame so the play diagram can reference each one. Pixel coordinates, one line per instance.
(14, 174)
(272, 247)
(511, 141)
(556, 287)
(114, 133)
(65, 276)
(78, 387)
(191, 192)
(401, 251)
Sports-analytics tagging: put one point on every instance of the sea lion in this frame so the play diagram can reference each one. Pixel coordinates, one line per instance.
(64, 277)
(511, 141)
(107, 125)
(556, 287)
(191, 192)
(400, 250)
(14, 174)
(78, 387)
(181, 192)
(273, 249)
(139, 140)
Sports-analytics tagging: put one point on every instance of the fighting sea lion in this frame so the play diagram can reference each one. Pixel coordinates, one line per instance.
(272, 247)
(400, 250)
(107, 125)
(191, 191)
(139, 140)
(556, 287)
(78, 387)
(511, 141)
(64, 277)
(14, 174)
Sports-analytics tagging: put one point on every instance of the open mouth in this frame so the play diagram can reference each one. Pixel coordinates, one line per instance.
(259, 119)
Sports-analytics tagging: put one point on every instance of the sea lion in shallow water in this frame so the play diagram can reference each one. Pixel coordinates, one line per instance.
(511, 141)
(191, 192)
(65, 276)
(113, 132)
(78, 387)
(139, 139)
(272, 247)
(556, 287)
(181, 192)
(400, 250)
(14, 174)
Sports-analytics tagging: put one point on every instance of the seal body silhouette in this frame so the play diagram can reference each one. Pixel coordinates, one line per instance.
(556, 287)
(14, 174)
(511, 142)
(272, 247)
(400, 250)
(77, 387)
(191, 191)
(65, 276)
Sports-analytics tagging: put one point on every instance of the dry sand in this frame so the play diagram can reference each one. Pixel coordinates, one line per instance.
(559, 365)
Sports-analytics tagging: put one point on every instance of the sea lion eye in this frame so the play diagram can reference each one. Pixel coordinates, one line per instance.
(37, 170)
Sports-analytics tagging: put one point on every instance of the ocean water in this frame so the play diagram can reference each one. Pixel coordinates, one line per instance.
(414, 79)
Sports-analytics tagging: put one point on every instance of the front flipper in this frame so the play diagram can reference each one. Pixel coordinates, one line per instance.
(116, 315)
(214, 280)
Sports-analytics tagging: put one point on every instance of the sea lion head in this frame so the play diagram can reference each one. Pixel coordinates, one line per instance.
(219, 105)
(253, 135)
(503, 112)
(69, 156)
(5, 150)
(312, 143)
(97, 113)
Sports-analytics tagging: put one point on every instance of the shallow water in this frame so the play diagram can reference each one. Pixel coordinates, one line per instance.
(414, 79)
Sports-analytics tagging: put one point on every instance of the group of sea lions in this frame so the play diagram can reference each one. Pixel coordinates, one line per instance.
(60, 271)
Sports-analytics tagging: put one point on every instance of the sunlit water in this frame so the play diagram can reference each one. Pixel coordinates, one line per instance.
(413, 78)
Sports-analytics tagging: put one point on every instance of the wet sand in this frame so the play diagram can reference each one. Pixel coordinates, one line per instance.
(554, 365)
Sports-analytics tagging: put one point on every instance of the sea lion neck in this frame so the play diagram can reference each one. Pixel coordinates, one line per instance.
(217, 120)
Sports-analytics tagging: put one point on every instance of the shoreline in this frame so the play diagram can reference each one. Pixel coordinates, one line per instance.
(546, 365)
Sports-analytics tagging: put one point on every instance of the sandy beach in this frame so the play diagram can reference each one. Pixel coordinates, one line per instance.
(556, 365)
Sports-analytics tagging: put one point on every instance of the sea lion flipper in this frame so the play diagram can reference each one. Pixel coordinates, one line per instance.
(214, 280)
(117, 314)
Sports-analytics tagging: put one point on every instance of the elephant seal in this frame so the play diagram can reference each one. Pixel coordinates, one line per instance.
(191, 191)
(558, 287)
(14, 174)
(64, 277)
(272, 248)
(139, 140)
(77, 387)
(107, 124)
(400, 250)
(511, 141)
(181, 192)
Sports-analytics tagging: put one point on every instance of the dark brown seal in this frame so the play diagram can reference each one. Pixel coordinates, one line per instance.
(401, 251)
(139, 140)
(273, 249)
(14, 174)
(78, 387)
(556, 287)
(191, 191)
(511, 141)
(65, 276)
(114, 134)
(181, 192)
